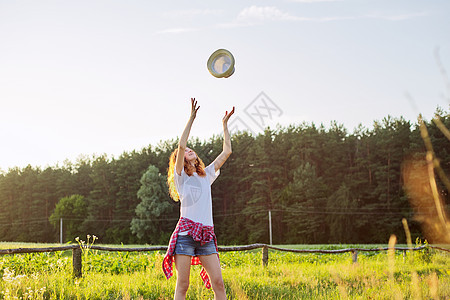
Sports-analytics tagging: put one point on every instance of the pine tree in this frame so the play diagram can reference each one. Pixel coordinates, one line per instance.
(304, 200)
(231, 191)
(101, 199)
(10, 218)
(342, 216)
(154, 218)
(266, 183)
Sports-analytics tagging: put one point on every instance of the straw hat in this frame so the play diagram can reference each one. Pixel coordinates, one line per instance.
(221, 64)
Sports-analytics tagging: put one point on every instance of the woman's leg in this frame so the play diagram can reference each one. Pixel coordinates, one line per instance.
(212, 267)
(183, 266)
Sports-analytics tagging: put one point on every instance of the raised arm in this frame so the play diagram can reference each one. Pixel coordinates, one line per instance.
(226, 152)
(179, 163)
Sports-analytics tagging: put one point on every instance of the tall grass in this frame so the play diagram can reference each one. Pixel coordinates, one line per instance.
(108, 275)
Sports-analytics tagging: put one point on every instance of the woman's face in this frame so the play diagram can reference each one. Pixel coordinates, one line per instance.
(190, 155)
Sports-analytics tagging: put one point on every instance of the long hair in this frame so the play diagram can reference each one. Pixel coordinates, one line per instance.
(199, 168)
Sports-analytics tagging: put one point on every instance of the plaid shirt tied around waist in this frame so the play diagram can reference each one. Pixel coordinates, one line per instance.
(200, 233)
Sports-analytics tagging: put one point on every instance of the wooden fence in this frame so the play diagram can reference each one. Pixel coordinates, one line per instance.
(77, 251)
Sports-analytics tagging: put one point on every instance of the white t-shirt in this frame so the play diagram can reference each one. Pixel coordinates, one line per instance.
(195, 195)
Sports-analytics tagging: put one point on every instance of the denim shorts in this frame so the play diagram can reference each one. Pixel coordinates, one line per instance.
(187, 246)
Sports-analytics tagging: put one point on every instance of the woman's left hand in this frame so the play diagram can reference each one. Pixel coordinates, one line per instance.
(227, 116)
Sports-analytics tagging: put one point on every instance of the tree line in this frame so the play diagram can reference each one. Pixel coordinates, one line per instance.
(322, 185)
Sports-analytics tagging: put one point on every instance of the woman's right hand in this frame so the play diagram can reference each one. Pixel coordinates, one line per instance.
(194, 108)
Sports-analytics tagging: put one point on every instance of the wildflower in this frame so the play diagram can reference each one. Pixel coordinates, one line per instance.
(8, 276)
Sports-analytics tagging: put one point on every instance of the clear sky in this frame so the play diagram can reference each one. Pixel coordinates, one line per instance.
(93, 77)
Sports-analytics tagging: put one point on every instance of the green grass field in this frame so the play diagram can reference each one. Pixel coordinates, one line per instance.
(123, 275)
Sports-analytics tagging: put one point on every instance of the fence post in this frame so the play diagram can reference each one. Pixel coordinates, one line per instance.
(265, 256)
(61, 230)
(270, 227)
(76, 262)
(355, 256)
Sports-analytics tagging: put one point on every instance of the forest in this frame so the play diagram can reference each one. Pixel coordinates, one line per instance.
(322, 184)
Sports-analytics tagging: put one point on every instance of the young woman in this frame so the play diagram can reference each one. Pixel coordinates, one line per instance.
(193, 240)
